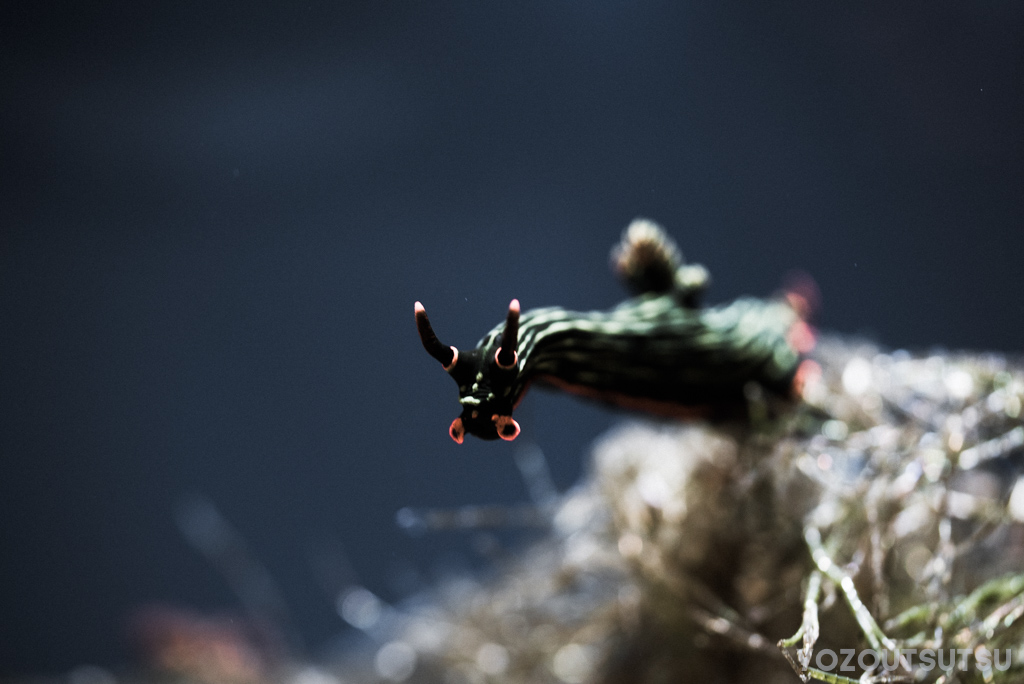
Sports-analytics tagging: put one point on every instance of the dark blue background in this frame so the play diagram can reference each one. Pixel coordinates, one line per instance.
(214, 221)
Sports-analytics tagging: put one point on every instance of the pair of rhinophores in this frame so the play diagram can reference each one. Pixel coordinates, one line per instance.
(659, 351)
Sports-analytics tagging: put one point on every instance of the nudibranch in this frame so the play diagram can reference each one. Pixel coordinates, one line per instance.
(659, 351)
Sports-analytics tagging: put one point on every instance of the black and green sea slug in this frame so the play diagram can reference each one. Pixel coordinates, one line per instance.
(659, 351)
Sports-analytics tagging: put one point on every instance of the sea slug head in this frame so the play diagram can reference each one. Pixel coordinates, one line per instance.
(486, 378)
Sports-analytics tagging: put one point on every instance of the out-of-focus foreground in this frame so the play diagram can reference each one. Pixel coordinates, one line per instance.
(885, 512)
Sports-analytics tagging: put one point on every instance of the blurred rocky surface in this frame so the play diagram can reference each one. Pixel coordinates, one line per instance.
(685, 553)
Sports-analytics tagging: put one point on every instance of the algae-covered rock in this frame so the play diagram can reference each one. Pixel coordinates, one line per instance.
(686, 553)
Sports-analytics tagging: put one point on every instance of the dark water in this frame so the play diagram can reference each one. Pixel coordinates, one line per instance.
(214, 222)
